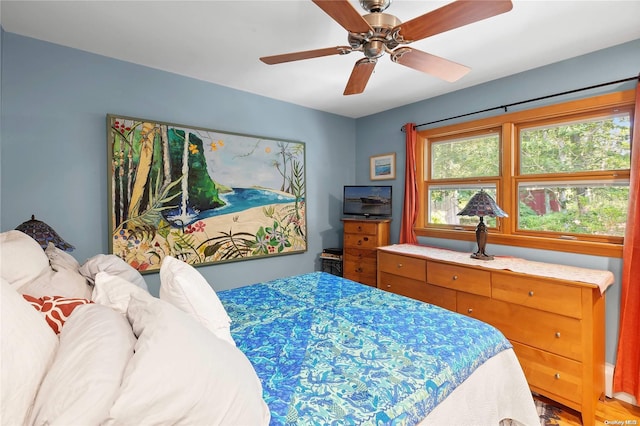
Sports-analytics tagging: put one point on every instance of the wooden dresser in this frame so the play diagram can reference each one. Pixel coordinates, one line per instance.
(361, 239)
(552, 314)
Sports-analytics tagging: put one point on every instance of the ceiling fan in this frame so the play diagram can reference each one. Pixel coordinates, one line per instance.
(377, 33)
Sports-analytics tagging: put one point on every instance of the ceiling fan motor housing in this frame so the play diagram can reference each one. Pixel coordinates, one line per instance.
(383, 39)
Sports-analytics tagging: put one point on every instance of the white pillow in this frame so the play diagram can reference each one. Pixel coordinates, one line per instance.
(181, 373)
(28, 348)
(113, 265)
(96, 343)
(21, 258)
(115, 292)
(185, 288)
(64, 282)
(60, 259)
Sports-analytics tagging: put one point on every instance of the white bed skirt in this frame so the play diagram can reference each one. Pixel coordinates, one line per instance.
(497, 390)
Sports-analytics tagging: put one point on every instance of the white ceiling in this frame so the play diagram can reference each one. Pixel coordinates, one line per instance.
(221, 41)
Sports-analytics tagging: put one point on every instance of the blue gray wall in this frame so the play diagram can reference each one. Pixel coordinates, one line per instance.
(380, 133)
(54, 150)
(53, 153)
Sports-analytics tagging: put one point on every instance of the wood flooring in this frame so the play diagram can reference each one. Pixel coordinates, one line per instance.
(609, 412)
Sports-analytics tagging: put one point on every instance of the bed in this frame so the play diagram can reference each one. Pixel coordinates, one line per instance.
(87, 344)
(332, 351)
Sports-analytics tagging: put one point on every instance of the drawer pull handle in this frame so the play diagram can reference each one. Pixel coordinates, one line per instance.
(455, 277)
(388, 285)
(557, 334)
(470, 310)
(556, 376)
(359, 242)
(399, 265)
(366, 238)
(531, 293)
(359, 228)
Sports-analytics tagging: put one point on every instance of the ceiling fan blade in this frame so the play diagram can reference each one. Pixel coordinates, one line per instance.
(344, 14)
(307, 54)
(450, 16)
(430, 64)
(362, 70)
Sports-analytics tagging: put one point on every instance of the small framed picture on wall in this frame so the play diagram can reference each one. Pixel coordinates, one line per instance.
(383, 166)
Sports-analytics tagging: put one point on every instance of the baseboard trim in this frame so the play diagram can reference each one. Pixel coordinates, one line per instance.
(608, 387)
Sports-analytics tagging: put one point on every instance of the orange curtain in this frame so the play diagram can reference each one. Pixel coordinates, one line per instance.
(410, 207)
(627, 371)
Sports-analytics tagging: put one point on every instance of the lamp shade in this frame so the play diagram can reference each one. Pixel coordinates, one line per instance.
(481, 204)
(43, 234)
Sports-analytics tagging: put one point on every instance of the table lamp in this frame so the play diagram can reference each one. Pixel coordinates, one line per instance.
(481, 204)
(43, 234)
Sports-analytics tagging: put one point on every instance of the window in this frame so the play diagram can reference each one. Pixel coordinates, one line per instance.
(447, 200)
(468, 157)
(596, 150)
(561, 172)
(578, 209)
(457, 165)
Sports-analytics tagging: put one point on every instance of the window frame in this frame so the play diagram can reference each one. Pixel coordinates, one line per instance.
(507, 183)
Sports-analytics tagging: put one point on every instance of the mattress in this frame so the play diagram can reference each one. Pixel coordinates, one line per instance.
(328, 350)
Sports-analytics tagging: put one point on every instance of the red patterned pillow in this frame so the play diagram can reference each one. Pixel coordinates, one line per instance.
(33, 301)
(56, 309)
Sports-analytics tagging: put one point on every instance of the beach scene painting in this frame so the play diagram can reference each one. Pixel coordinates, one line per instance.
(202, 196)
(383, 167)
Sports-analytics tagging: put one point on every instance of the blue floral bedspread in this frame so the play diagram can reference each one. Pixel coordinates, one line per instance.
(332, 351)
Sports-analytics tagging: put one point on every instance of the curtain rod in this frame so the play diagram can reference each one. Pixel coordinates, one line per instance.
(527, 101)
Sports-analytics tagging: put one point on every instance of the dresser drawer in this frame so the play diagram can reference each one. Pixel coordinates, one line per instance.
(459, 278)
(536, 293)
(440, 296)
(419, 290)
(360, 266)
(543, 330)
(363, 277)
(359, 255)
(402, 285)
(360, 269)
(550, 374)
(361, 228)
(361, 241)
(405, 266)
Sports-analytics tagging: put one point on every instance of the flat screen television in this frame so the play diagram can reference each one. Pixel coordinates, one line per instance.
(367, 200)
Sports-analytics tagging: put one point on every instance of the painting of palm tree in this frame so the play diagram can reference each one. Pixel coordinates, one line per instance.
(201, 195)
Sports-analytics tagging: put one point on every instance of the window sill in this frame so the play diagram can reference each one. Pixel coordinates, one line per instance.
(554, 244)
